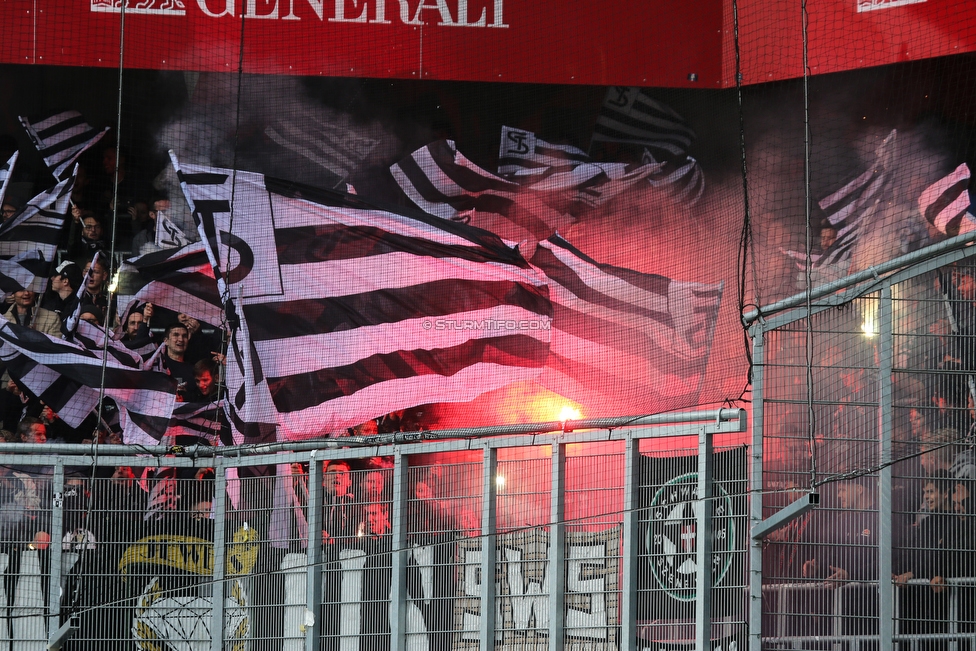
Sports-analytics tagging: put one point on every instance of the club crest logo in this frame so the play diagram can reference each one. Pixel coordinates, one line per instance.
(672, 535)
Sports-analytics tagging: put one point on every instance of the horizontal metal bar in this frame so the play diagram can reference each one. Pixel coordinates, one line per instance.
(781, 319)
(784, 515)
(719, 420)
(861, 276)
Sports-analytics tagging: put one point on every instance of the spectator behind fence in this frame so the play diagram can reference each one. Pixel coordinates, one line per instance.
(958, 561)
(844, 542)
(377, 543)
(338, 511)
(922, 609)
(32, 430)
(942, 451)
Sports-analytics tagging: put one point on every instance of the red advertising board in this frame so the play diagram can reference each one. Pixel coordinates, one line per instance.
(645, 43)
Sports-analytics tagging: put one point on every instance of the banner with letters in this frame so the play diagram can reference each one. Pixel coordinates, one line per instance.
(359, 581)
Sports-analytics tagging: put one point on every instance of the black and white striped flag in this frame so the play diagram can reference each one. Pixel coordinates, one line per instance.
(945, 203)
(630, 115)
(336, 145)
(37, 226)
(443, 182)
(526, 159)
(624, 341)
(145, 397)
(683, 180)
(6, 173)
(356, 313)
(24, 271)
(71, 400)
(181, 280)
(858, 202)
(61, 139)
(565, 175)
(199, 420)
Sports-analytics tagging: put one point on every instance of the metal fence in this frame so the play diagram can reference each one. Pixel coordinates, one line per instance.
(863, 463)
(593, 539)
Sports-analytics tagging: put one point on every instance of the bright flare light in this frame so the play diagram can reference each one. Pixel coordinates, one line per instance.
(869, 326)
(499, 481)
(115, 283)
(569, 413)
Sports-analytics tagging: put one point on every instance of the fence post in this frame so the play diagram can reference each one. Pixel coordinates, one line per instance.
(57, 533)
(886, 610)
(313, 554)
(486, 632)
(755, 490)
(703, 544)
(631, 542)
(220, 555)
(398, 584)
(557, 549)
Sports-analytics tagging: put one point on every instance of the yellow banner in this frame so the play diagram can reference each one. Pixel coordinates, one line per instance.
(194, 555)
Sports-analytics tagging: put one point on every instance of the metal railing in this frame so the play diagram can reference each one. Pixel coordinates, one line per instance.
(594, 537)
(859, 388)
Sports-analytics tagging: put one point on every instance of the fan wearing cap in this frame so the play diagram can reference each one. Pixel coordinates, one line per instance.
(62, 297)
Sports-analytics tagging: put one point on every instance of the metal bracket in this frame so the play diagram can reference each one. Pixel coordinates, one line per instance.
(781, 517)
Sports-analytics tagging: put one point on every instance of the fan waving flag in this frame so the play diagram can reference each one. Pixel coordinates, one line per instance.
(624, 341)
(61, 139)
(861, 199)
(945, 203)
(146, 397)
(181, 280)
(353, 313)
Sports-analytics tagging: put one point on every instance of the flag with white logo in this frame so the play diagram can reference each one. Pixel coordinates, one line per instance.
(347, 313)
(671, 532)
(61, 139)
(565, 175)
(623, 341)
(945, 203)
(168, 234)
